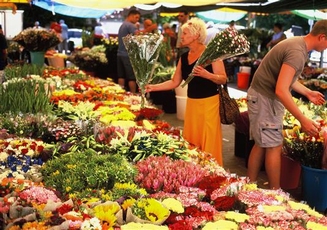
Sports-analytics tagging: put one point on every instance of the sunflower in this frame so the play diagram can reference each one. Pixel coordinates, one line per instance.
(106, 212)
(128, 203)
(155, 211)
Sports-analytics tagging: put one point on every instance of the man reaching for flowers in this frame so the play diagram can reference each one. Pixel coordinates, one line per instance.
(269, 94)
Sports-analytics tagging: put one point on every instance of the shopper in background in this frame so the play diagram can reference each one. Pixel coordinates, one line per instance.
(124, 67)
(56, 27)
(183, 17)
(277, 36)
(63, 46)
(148, 23)
(231, 25)
(37, 25)
(99, 34)
(269, 95)
(169, 32)
(170, 38)
(202, 126)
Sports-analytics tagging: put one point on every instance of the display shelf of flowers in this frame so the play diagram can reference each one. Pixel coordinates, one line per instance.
(91, 158)
(79, 152)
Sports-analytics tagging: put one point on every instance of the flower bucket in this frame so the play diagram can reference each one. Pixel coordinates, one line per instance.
(181, 106)
(245, 69)
(314, 188)
(290, 173)
(181, 91)
(37, 58)
(57, 62)
(243, 80)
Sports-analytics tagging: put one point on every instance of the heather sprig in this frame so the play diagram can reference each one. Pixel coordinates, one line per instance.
(163, 174)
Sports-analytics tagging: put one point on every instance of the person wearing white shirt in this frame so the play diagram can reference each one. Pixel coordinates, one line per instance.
(211, 32)
(99, 34)
(63, 46)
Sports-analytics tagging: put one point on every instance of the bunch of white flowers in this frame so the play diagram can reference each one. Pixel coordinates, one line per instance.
(143, 51)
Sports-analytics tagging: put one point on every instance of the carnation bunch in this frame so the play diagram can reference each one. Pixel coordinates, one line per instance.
(226, 44)
(143, 51)
(39, 194)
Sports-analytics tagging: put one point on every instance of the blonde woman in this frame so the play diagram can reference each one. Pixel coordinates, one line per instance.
(202, 126)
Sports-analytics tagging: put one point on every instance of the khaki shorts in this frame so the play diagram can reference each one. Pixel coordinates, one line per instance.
(266, 119)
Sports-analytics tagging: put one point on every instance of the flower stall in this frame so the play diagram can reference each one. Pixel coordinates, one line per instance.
(37, 42)
(79, 152)
(89, 59)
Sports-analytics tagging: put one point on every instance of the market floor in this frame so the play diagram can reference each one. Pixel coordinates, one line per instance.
(233, 161)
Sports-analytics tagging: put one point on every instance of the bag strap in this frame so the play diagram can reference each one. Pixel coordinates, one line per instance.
(224, 86)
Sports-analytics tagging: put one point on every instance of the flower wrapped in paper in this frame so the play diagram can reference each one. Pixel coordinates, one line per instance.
(143, 51)
(226, 44)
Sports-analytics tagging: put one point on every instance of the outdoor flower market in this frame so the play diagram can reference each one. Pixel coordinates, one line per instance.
(79, 151)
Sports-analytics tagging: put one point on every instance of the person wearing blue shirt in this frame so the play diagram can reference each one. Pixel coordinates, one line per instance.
(124, 67)
(64, 36)
(277, 36)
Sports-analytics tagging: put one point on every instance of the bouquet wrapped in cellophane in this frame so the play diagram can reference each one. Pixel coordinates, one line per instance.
(226, 44)
(143, 51)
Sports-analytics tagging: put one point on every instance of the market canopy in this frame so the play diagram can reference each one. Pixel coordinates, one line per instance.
(222, 15)
(265, 6)
(276, 6)
(58, 8)
(98, 8)
(311, 14)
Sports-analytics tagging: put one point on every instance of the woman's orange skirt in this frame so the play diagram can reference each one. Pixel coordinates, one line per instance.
(202, 126)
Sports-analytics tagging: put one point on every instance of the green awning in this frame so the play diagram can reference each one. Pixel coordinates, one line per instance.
(310, 14)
